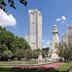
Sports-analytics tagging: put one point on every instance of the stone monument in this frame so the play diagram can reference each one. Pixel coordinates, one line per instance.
(53, 52)
(40, 57)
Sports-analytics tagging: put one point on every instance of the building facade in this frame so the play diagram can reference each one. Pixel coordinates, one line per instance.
(65, 38)
(69, 34)
(35, 29)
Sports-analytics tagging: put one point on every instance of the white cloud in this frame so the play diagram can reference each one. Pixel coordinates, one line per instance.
(58, 19)
(6, 20)
(62, 19)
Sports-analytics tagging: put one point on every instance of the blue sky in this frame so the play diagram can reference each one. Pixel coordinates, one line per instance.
(50, 10)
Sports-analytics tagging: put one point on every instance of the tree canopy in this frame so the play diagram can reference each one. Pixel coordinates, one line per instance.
(65, 52)
(3, 3)
(11, 45)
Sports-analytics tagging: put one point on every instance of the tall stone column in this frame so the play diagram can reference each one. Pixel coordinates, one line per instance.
(53, 48)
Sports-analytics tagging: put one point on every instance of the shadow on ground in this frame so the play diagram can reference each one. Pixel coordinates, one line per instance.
(27, 70)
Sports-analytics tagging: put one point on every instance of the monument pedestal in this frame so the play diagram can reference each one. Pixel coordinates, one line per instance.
(40, 57)
(54, 57)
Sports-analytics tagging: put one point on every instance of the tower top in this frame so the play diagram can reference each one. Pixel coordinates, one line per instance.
(34, 10)
(55, 30)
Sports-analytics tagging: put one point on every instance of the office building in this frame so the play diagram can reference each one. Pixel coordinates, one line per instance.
(35, 29)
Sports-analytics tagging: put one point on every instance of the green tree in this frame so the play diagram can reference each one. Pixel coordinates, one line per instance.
(45, 52)
(19, 53)
(35, 53)
(65, 51)
(4, 47)
(15, 44)
(28, 54)
(3, 3)
(6, 55)
(23, 53)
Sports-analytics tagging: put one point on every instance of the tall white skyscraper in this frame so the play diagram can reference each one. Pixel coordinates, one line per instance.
(35, 29)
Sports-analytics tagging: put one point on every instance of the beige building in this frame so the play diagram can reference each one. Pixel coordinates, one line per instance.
(65, 38)
(69, 34)
(35, 29)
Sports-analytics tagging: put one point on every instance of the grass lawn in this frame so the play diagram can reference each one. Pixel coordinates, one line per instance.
(12, 66)
(65, 67)
(9, 64)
